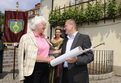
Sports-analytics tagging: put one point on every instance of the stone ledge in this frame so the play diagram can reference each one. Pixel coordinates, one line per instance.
(101, 76)
(9, 61)
(9, 65)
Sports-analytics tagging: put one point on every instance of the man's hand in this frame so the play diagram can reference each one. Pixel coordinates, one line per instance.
(72, 60)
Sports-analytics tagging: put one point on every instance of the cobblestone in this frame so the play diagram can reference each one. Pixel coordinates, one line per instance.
(7, 77)
(114, 79)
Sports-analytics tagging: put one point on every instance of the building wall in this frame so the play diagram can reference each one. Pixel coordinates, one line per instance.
(29, 25)
(60, 3)
(45, 7)
(110, 33)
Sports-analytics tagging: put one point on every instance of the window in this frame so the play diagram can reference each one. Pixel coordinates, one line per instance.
(36, 11)
(30, 12)
(73, 1)
(77, 1)
(85, 0)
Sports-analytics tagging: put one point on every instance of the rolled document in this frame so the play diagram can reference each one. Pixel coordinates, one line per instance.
(73, 53)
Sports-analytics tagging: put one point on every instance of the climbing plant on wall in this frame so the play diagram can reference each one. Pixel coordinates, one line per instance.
(112, 9)
(93, 12)
(119, 9)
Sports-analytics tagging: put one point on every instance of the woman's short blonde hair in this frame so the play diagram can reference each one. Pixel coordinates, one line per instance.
(37, 20)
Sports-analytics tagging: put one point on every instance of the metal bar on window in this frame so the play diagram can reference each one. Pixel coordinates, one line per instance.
(104, 10)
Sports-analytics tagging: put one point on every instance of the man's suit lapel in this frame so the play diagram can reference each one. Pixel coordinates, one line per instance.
(33, 37)
(75, 40)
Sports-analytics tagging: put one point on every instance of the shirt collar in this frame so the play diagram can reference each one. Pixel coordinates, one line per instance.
(38, 35)
(73, 36)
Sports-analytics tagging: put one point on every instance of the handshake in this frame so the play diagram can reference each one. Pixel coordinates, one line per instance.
(55, 52)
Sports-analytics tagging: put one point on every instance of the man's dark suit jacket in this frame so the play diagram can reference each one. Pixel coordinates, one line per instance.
(78, 72)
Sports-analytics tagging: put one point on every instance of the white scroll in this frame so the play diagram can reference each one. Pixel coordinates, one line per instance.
(73, 53)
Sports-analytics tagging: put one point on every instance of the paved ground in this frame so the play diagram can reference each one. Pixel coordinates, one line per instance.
(115, 79)
(7, 77)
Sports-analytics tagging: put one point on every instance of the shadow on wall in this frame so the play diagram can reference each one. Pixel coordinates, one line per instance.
(102, 29)
(117, 70)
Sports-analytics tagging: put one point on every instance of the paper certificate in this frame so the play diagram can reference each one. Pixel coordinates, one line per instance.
(73, 53)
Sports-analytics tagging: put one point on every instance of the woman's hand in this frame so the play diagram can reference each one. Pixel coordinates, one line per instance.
(54, 51)
(52, 57)
(42, 59)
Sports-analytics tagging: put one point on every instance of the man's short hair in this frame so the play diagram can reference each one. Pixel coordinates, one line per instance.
(71, 21)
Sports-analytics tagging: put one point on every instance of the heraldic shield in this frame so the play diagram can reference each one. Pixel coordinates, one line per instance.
(16, 25)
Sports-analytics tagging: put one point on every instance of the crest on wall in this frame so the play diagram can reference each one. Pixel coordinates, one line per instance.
(16, 25)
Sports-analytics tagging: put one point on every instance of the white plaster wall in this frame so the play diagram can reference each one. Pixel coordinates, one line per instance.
(45, 7)
(29, 25)
(61, 3)
(110, 33)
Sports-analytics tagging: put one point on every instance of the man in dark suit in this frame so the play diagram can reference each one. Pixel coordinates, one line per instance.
(74, 70)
